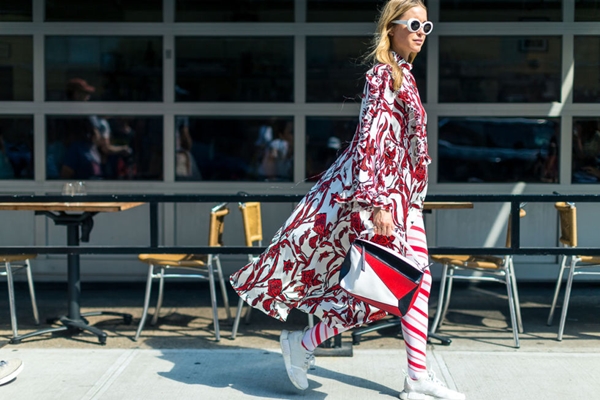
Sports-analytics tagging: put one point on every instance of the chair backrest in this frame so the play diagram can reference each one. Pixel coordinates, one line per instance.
(567, 213)
(216, 225)
(522, 213)
(252, 223)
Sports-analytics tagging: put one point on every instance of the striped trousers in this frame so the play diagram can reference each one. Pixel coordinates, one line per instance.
(415, 322)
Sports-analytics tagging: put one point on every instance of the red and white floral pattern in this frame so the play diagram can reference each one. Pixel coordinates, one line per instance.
(384, 166)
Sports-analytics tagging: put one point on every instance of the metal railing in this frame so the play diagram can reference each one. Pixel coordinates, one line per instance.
(153, 200)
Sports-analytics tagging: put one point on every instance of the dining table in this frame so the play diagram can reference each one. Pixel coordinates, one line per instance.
(78, 217)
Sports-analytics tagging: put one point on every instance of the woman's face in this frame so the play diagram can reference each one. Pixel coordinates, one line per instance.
(404, 41)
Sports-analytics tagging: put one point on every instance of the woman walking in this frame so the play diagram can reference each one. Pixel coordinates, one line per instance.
(379, 183)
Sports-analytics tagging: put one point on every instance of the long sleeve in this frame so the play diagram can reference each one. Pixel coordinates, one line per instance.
(375, 130)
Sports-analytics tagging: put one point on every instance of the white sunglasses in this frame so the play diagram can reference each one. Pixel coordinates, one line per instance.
(414, 25)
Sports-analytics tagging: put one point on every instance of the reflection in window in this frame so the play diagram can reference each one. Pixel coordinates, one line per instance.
(586, 150)
(16, 147)
(16, 11)
(587, 10)
(234, 11)
(586, 81)
(495, 11)
(503, 69)
(498, 150)
(334, 71)
(104, 147)
(16, 68)
(126, 68)
(343, 10)
(326, 139)
(263, 149)
(256, 69)
(104, 11)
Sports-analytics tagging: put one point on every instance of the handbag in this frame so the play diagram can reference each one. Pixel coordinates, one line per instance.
(381, 277)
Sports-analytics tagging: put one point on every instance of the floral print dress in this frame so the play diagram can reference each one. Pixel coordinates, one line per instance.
(384, 166)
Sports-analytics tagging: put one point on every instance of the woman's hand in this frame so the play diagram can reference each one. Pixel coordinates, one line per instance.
(383, 222)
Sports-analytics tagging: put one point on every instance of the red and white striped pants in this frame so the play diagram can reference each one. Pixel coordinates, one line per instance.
(415, 322)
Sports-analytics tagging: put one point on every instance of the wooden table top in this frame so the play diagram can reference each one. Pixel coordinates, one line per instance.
(434, 205)
(71, 206)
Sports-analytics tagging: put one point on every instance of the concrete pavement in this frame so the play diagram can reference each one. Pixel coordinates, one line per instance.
(180, 359)
(83, 374)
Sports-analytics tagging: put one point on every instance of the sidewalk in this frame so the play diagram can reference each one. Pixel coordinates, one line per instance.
(180, 359)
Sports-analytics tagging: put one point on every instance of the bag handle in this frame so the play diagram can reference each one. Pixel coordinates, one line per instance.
(404, 242)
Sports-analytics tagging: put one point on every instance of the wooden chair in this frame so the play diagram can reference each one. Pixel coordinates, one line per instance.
(252, 220)
(567, 213)
(489, 268)
(202, 265)
(13, 263)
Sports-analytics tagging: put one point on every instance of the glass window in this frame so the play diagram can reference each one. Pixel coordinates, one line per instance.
(587, 10)
(104, 147)
(586, 80)
(503, 69)
(16, 68)
(16, 147)
(586, 150)
(335, 71)
(108, 68)
(500, 11)
(326, 139)
(104, 11)
(498, 150)
(16, 11)
(342, 10)
(234, 11)
(253, 69)
(263, 148)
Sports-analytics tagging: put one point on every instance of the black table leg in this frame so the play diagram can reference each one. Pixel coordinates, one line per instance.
(74, 322)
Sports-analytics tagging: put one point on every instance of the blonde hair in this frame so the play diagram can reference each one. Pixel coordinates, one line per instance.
(382, 47)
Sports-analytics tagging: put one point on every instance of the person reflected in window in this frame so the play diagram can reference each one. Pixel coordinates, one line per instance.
(277, 162)
(586, 152)
(375, 189)
(186, 167)
(113, 156)
(82, 159)
(117, 159)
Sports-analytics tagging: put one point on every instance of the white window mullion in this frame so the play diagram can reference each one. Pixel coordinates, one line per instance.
(38, 10)
(299, 92)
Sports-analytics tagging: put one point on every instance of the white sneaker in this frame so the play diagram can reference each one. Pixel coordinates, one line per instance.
(428, 388)
(297, 359)
(9, 370)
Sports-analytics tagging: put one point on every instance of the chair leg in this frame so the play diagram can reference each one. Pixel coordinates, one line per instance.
(440, 305)
(223, 287)
(213, 300)
(557, 289)
(238, 316)
(161, 291)
(511, 307)
(563, 315)
(515, 290)
(248, 314)
(11, 300)
(146, 302)
(36, 315)
(448, 294)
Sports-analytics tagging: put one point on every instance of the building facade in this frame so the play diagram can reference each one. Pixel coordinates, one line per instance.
(184, 96)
